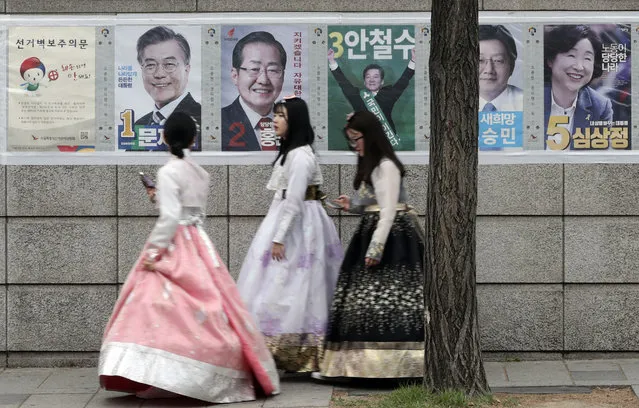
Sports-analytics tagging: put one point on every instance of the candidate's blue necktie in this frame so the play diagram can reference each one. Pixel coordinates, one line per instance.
(489, 107)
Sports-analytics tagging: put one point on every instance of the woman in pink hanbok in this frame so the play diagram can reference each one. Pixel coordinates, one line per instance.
(179, 325)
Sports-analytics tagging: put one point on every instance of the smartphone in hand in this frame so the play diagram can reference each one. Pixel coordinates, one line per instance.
(333, 204)
(147, 181)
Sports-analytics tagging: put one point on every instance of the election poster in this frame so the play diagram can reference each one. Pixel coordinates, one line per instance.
(501, 87)
(587, 87)
(372, 68)
(157, 72)
(51, 89)
(260, 65)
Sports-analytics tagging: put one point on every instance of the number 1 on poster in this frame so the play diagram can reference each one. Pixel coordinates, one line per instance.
(127, 122)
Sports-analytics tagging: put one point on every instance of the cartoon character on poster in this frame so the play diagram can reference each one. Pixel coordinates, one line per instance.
(51, 98)
(32, 70)
(587, 87)
(156, 75)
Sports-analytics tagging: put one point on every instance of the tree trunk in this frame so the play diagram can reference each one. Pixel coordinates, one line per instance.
(453, 354)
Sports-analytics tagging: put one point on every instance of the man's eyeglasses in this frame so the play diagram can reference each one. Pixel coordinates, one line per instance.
(271, 72)
(497, 62)
(152, 67)
(353, 142)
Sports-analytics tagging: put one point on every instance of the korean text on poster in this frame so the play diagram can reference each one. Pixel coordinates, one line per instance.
(158, 72)
(587, 87)
(260, 65)
(51, 80)
(371, 68)
(501, 98)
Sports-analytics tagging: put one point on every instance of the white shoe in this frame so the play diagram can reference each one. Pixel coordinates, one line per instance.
(317, 376)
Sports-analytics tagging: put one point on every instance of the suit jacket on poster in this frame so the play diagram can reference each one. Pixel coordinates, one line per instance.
(237, 133)
(188, 105)
(386, 97)
(591, 106)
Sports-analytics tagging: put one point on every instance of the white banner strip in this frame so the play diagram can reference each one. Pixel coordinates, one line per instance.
(485, 17)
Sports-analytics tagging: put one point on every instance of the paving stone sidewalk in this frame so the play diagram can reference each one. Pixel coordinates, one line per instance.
(78, 388)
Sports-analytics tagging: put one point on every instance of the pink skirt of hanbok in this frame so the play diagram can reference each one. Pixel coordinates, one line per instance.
(183, 329)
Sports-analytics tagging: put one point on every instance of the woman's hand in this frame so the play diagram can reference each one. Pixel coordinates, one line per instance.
(149, 264)
(151, 257)
(370, 262)
(150, 191)
(344, 201)
(277, 252)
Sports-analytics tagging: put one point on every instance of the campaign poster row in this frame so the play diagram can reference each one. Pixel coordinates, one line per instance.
(575, 79)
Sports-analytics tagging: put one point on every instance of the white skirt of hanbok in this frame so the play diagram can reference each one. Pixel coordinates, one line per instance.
(290, 299)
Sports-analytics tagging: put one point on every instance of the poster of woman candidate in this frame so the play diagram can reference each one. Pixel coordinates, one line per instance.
(158, 72)
(587, 87)
(51, 89)
(372, 68)
(501, 95)
(260, 65)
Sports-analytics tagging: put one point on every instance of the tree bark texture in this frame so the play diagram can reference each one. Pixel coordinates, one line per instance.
(453, 354)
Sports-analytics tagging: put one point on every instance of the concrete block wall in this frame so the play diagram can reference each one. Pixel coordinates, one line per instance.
(556, 254)
(557, 245)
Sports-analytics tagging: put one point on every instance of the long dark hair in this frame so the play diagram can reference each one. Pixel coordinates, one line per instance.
(299, 133)
(376, 146)
(179, 132)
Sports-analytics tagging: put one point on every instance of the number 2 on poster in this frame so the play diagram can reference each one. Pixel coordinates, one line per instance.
(236, 139)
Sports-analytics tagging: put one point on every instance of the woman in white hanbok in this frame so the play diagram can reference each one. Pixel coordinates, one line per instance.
(289, 274)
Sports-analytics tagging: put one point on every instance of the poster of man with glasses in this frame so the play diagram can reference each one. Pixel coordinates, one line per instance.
(259, 66)
(165, 63)
(501, 99)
